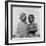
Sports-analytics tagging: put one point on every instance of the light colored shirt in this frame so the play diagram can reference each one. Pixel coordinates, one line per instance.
(21, 29)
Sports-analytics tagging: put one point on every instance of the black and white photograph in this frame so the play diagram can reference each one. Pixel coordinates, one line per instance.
(25, 22)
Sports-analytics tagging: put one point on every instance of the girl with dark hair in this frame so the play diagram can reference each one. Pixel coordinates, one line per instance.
(32, 27)
(21, 27)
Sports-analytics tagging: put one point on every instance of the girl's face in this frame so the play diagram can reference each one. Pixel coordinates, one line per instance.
(31, 19)
(23, 17)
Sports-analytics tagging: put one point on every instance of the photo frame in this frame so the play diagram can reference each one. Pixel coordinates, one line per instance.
(13, 10)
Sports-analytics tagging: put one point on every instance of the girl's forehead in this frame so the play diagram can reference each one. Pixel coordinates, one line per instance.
(23, 16)
(30, 17)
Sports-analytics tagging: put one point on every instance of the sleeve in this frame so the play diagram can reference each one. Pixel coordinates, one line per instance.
(35, 25)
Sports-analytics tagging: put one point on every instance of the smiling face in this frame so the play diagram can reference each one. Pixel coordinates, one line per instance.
(23, 17)
(31, 18)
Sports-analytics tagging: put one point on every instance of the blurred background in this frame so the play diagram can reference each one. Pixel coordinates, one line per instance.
(2, 23)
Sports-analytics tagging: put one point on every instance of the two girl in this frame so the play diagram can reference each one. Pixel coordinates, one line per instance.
(24, 29)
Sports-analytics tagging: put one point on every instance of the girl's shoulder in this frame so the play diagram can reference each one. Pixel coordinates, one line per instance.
(32, 25)
(35, 25)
